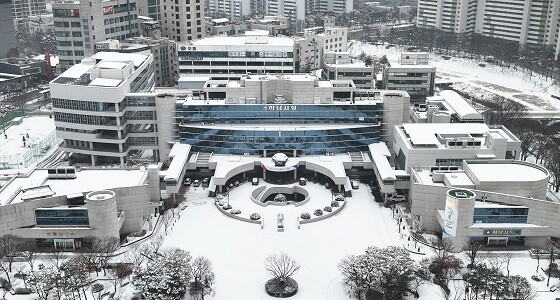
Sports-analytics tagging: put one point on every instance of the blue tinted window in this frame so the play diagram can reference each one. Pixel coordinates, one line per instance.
(341, 128)
(500, 215)
(61, 217)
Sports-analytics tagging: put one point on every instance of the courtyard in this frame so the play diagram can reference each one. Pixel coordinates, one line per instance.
(238, 249)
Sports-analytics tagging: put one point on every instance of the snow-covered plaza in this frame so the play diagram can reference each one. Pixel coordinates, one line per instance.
(238, 249)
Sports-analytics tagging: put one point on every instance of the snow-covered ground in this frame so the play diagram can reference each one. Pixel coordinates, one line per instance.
(238, 249)
(532, 91)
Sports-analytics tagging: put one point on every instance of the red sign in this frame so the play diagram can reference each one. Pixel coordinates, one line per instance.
(108, 10)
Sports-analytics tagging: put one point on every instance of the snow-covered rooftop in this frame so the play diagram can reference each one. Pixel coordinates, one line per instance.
(86, 180)
(505, 172)
(37, 128)
(105, 82)
(241, 41)
(426, 133)
(461, 107)
(137, 58)
(179, 154)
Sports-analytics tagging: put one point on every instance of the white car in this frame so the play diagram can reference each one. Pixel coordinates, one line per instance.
(397, 198)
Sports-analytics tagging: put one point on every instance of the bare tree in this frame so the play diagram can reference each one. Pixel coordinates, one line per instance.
(102, 250)
(105, 247)
(56, 259)
(167, 220)
(281, 266)
(472, 253)
(538, 254)
(552, 163)
(31, 254)
(137, 254)
(10, 247)
(507, 258)
(119, 273)
(203, 276)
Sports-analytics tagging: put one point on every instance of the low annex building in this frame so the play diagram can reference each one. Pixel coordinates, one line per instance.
(492, 202)
(65, 207)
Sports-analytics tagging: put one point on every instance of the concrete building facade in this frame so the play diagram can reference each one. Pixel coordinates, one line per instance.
(101, 110)
(531, 22)
(7, 32)
(232, 57)
(81, 24)
(182, 21)
(23, 9)
(491, 202)
(66, 211)
(447, 145)
(163, 50)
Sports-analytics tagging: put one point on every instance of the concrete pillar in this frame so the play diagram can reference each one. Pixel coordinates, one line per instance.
(264, 174)
(93, 160)
(295, 153)
(295, 174)
(122, 160)
(264, 153)
(458, 217)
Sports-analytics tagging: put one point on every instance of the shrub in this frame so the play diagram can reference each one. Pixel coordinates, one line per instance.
(335, 204)
(221, 203)
(226, 207)
(22, 291)
(255, 216)
(327, 209)
(339, 198)
(235, 211)
(318, 212)
(305, 216)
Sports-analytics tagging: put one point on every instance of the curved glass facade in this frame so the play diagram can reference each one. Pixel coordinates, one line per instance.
(226, 129)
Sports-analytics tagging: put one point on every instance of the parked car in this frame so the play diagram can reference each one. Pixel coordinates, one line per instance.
(255, 181)
(355, 185)
(302, 181)
(205, 182)
(188, 182)
(196, 183)
(397, 198)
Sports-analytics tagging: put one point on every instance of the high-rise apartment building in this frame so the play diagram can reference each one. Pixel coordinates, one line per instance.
(183, 20)
(21, 9)
(7, 33)
(529, 22)
(231, 9)
(79, 25)
(293, 9)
